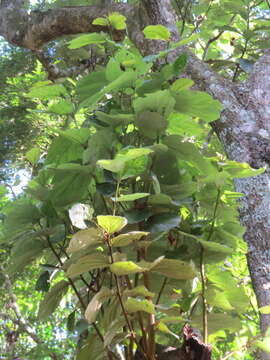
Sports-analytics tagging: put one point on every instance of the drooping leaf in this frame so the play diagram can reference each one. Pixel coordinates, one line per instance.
(128, 238)
(139, 291)
(175, 269)
(52, 299)
(82, 239)
(95, 304)
(88, 263)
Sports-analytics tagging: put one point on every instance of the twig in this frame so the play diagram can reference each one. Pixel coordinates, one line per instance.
(161, 289)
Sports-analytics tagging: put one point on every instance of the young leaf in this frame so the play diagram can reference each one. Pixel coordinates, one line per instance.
(128, 238)
(125, 268)
(265, 309)
(87, 39)
(117, 21)
(157, 32)
(135, 305)
(110, 223)
(101, 21)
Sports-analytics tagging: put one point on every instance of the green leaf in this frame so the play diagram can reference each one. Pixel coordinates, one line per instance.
(160, 101)
(33, 155)
(139, 291)
(95, 304)
(151, 124)
(83, 238)
(265, 309)
(131, 197)
(181, 84)
(135, 305)
(47, 92)
(88, 263)
(163, 222)
(175, 269)
(113, 70)
(180, 63)
(128, 238)
(157, 32)
(120, 268)
(100, 21)
(110, 223)
(117, 21)
(52, 299)
(87, 39)
(62, 107)
(198, 104)
(241, 170)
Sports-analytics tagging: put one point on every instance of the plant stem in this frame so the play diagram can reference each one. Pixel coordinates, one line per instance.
(205, 311)
(161, 289)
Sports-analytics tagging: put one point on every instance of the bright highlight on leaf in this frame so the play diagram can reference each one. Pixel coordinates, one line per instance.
(125, 268)
(87, 39)
(135, 305)
(110, 223)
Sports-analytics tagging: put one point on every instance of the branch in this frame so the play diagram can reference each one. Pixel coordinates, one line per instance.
(33, 30)
(14, 306)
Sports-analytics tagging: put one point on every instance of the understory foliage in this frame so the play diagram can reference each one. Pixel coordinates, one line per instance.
(131, 217)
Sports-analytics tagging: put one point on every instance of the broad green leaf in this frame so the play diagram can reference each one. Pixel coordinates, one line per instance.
(217, 298)
(47, 92)
(131, 197)
(33, 155)
(52, 299)
(113, 70)
(135, 305)
(241, 170)
(100, 21)
(117, 21)
(180, 63)
(127, 79)
(125, 268)
(110, 223)
(96, 303)
(115, 119)
(88, 263)
(151, 124)
(115, 165)
(62, 107)
(128, 238)
(185, 41)
(87, 39)
(198, 104)
(24, 252)
(265, 309)
(139, 291)
(181, 84)
(160, 101)
(114, 330)
(175, 269)
(64, 150)
(218, 322)
(82, 239)
(157, 32)
(91, 84)
(214, 246)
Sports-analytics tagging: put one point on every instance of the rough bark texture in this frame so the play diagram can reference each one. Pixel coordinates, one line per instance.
(244, 126)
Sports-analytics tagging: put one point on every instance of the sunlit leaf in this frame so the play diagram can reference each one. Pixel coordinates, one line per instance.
(134, 305)
(111, 224)
(157, 32)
